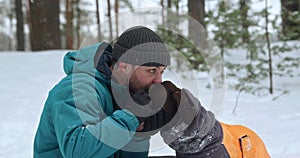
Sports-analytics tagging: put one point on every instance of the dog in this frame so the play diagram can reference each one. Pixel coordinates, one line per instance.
(212, 137)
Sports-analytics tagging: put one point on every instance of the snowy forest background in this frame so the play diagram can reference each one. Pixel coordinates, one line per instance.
(255, 25)
(53, 24)
(258, 40)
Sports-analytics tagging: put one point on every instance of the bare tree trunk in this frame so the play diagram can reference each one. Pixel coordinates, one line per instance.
(20, 25)
(162, 11)
(78, 21)
(169, 4)
(169, 14)
(28, 22)
(54, 33)
(222, 46)
(98, 20)
(196, 10)
(269, 48)
(202, 12)
(44, 24)
(117, 16)
(109, 20)
(177, 6)
(177, 12)
(178, 56)
(10, 16)
(69, 24)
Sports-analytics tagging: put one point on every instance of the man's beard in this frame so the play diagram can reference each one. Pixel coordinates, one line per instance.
(134, 85)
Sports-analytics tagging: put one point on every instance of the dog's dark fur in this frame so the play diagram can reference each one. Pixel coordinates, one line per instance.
(173, 98)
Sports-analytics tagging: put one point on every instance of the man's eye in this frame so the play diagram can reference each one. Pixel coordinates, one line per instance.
(152, 71)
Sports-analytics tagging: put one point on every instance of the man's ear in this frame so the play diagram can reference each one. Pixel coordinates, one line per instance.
(124, 67)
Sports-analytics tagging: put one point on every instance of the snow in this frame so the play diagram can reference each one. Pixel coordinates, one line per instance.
(27, 77)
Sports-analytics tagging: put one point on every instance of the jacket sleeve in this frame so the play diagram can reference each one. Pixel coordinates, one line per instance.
(81, 126)
(201, 136)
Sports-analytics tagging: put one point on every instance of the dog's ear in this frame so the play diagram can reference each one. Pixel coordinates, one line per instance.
(170, 106)
(173, 91)
(172, 102)
(176, 95)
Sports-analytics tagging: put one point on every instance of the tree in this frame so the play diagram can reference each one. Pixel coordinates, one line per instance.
(78, 19)
(98, 20)
(28, 23)
(20, 25)
(45, 32)
(225, 26)
(162, 10)
(255, 74)
(78, 23)
(117, 16)
(69, 24)
(269, 48)
(196, 10)
(109, 20)
(290, 15)
(244, 8)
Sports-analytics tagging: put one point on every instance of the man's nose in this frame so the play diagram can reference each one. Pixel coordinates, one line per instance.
(158, 78)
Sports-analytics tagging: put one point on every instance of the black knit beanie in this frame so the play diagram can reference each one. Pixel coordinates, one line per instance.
(141, 46)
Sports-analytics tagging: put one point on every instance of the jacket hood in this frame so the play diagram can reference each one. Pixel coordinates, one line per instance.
(86, 59)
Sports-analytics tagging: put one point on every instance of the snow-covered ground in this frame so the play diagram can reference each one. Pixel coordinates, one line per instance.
(27, 77)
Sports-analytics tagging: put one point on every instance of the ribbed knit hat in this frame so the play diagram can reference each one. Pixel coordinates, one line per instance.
(141, 46)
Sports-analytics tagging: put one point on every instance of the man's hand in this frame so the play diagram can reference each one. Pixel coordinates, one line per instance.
(135, 105)
(141, 127)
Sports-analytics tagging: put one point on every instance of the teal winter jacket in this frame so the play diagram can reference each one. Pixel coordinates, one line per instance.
(79, 118)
